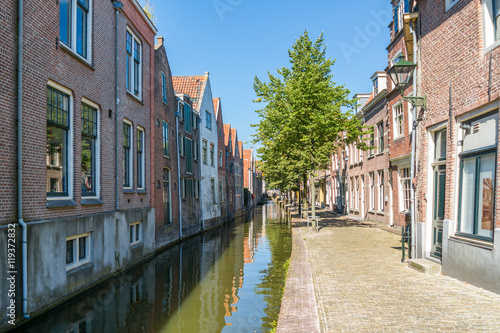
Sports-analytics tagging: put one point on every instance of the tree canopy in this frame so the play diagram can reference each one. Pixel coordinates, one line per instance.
(303, 120)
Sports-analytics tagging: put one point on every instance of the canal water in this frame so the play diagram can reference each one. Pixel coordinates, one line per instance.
(228, 280)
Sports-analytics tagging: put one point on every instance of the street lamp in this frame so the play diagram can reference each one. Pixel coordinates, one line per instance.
(401, 74)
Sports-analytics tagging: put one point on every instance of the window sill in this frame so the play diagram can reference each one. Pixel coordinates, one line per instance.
(75, 55)
(128, 190)
(379, 154)
(166, 156)
(79, 267)
(136, 244)
(58, 203)
(135, 97)
(398, 138)
(95, 201)
(473, 242)
(493, 46)
(142, 191)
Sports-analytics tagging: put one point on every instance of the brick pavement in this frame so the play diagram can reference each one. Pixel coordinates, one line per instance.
(361, 286)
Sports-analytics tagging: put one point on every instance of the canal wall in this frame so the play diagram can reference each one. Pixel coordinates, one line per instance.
(109, 248)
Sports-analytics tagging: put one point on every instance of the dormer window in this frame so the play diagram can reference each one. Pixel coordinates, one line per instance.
(375, 86)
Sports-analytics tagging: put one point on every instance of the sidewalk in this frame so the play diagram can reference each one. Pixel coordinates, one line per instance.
(360, 285)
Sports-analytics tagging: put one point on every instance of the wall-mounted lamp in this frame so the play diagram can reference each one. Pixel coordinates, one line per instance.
(401, 74)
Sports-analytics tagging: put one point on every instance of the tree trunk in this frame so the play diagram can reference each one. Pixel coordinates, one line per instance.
(313, 196)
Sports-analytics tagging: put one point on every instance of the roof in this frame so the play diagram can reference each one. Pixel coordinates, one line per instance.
(216, 102)
(233, 139)
(190, 85)
(240, 147)
(227, 133)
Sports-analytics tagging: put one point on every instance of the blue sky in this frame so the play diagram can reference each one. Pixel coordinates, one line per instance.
(235, 40)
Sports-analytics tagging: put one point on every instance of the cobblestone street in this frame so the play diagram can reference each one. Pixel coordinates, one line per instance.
(361, 285)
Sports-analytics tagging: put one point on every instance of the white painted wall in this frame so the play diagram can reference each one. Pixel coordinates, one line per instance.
(210, 209)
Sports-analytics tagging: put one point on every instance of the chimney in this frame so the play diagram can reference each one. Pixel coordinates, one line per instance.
(159, 40)
(206, 74)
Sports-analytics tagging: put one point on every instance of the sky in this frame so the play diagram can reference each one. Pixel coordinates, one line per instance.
(236, 40)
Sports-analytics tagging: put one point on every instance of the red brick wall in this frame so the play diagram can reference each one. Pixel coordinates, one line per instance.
(465, 71)
(44, 61)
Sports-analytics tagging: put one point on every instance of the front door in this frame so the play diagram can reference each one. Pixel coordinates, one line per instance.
(438, 214)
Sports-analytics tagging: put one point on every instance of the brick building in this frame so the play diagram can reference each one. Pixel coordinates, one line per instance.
(458, 169)
(86, 135)
(164, 147)
(228, 143)
(221, 161)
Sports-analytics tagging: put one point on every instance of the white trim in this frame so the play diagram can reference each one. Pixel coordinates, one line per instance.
(71, 152)
(131, 155)
(132, 67)
(489, 42)
(134, 233)
(396, 125)
(97, 181)
(449, 4)
(88, 246)
(143, 162)
(72, 46)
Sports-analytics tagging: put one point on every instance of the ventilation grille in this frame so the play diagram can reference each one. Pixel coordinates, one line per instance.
(476, 128)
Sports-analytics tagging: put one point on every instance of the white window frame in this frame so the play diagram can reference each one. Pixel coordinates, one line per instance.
(181, 144)
(380, 190)
(143, 158)
(220, 158)
(372, 191)
(72, 43)
(450, 4)
(489, 26)
(164, 87)
(70, 151)
(97, 181)
(205, 152)
(212, 154)
(401, 187)
(379, 137)
(137, 233)
(399, 129)
(76, 250)
(132, 67)
(131, 156)
(396, 57)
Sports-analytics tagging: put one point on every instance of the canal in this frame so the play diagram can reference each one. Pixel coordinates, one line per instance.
(230, 279)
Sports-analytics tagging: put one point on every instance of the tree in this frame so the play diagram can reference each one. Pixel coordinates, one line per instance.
(303, 121)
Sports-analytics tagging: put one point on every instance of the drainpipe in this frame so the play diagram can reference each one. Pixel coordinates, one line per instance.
(20, 23)
(118, 8)
(177, 114)
(413, 150)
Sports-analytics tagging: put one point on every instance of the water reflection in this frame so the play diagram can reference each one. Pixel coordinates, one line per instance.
(228, 280)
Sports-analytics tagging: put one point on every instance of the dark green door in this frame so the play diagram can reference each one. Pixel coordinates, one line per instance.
(438, 214)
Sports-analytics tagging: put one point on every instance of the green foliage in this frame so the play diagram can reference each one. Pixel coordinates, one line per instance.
(302, 122)
(149, 9)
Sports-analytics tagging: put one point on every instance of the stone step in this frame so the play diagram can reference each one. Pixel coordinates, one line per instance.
(425, 266)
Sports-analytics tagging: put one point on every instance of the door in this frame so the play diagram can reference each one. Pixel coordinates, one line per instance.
(438, 207)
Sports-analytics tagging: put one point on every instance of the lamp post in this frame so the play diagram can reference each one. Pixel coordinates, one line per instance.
(401, 73)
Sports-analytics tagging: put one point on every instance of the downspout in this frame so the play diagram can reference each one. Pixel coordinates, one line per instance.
(177, 114)
(118, 8)
(413, 149)
(20, 23)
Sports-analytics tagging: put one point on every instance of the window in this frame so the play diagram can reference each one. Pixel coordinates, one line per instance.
(491, 12)
(188, 146)
(221, 191)
(187, 118)
(375, 86)
(127, 158)
(372, 142)
(396, 58)
(195, 150)
(58, 143)
(220, 158)
(212, 184)
(167, 202)
(208, 119)
(183, 188)
(400, 8)
(477, 191)
(135, 233)
(212, 154)
(180, 107)
(405, 187)
(90, 150)
(181, 144)
(140, 158)
(381, 191)
(398, 121)
(196, 188)
(77, 250)
(195, 121)
(380, 129)
(204, 152)
(166, 150)
(372, 191)
(75, 25)
(133, 65)
(163, 87)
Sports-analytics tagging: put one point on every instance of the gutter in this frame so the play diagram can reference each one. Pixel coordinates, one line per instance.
(20, 22)
(118, 8)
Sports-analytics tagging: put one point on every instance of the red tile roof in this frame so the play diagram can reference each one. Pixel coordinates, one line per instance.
(216, 102)
(234, 134)
(190, 85)
(240, 147)
(227, 134)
